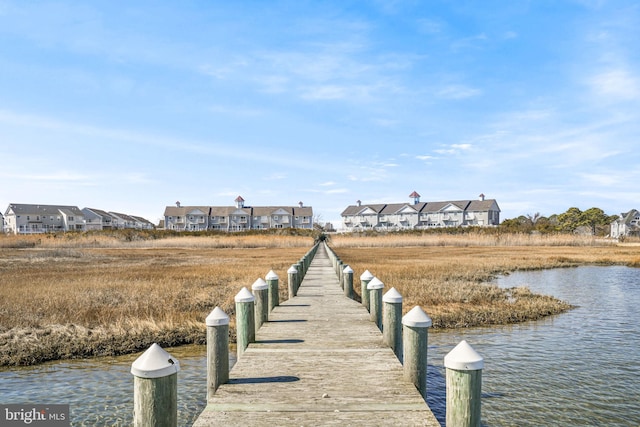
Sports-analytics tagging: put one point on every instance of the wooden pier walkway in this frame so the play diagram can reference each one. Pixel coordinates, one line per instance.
(318, 361)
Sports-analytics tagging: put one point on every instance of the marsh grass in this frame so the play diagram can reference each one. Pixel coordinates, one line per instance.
(62, 301)
(451, 281)
(81, 295)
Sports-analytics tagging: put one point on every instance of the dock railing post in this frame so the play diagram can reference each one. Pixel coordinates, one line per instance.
(415, 325)
(155, 388)
(375, 287)
(261, 293)
(464, 386)
(340, 272)
(299, 276)
(292, 272)
(274, 293)
(365, 278)
(392, 321)
(348, 282)
(245, 320)
(217, 350)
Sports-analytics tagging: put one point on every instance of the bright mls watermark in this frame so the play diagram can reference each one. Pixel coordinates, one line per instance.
(34, 415)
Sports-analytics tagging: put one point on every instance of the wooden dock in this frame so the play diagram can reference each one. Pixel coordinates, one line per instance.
(318, 361)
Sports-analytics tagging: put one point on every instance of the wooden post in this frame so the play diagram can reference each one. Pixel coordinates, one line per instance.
(464, 386)
(365, 278)
(261, 293)
(340, 272)
(375, 287)
(299, 276)
(292, 272)
(217, 350)
(245, 320)
(155, 388)
(348, 282)
(392, 321)
(415, 337)
(274, 293)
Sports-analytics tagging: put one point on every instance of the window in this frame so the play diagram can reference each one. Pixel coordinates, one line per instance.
(275, 217)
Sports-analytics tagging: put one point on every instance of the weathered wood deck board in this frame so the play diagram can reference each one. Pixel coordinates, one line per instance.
(318, 361)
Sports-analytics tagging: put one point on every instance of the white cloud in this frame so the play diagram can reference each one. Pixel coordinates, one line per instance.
(616, 83)
(426, 157)
(454, 149)
(458, 92)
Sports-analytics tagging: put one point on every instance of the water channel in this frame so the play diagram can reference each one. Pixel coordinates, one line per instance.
(580, 368)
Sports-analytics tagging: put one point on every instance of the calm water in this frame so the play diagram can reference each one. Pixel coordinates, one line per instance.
(581, 368)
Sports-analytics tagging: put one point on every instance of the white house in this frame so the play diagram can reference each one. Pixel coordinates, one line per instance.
(627, 224)
(1, 223)
(421, 215)
(27, 219)
(237, 218)
(97, 219)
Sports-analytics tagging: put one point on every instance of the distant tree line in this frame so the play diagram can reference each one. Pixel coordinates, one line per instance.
(593, 221)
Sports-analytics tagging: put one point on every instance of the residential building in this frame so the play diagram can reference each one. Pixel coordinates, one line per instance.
(26, 219)
(237, 218)
(627, 224)
(97, 219)
(421, 215)
(1, 223)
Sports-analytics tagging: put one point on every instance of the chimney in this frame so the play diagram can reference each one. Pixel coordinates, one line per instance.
(358, 202)
(300, 204)
(178, 204)
(481, 197)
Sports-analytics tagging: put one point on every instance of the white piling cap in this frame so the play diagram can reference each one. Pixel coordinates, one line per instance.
(416, 318)
(347, 270)
(375, 283)
(366, 275)
(259, 285)
(271, 275)
(292, 269)
(245, 295)
(217, 318)
(392, 296)
(463, 358)
(154, 363)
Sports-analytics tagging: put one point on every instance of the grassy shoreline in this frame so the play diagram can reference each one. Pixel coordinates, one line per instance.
(83, 296)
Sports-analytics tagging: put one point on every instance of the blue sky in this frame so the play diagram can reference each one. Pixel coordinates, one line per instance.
(131, 106)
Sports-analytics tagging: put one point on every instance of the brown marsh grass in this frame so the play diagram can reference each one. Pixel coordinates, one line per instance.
(73, 300)
(73, 296)
(448, 275)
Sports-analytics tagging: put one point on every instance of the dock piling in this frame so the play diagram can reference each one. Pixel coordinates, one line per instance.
(392, 321)
(365, 278)
(261, 293)
(375, 287)
(464, 386)
(292, 287)
(245, 320)
(217, 350)
(155, 388)
(348, 282)
(274, 292)
(415, 328)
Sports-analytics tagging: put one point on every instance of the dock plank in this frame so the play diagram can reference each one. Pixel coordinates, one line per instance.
(318, 361)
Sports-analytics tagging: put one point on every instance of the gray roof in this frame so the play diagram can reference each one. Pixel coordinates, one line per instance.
(228, 210)
(26, 209)
(424, 207)
(99, 212)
